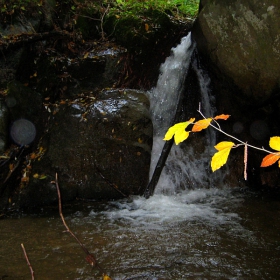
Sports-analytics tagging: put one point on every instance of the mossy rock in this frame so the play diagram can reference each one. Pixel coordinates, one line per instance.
(87, 23)
(139, 32)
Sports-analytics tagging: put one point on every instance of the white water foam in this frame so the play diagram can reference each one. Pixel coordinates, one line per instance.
(165, 96)
(213, 206)
(185, 168)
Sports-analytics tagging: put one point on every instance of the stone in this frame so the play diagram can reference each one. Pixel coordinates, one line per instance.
(241, 39)
(92, 146)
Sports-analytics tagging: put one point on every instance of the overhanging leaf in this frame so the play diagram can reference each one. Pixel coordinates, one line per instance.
(220, 158)
(274, 143)
(201, 124)
(222, 117)
(224, 145)
(270, 159)
(106, 277)
(181, 136)
(179, 130)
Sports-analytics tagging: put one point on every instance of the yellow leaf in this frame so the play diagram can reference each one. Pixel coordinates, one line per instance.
(36, 175)
(146, 27)
(224, 145)
(202, 124)
(180, 136)
(274, 143)
(106, 277)
(270, 159)
(179, 131)
(222, 117)
(220, 158)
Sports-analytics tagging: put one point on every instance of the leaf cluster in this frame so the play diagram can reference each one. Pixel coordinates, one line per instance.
(18, 6)
(176, 8)
(178, 131)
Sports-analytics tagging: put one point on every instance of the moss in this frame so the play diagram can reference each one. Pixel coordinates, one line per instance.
(140, 32)
(88, 23)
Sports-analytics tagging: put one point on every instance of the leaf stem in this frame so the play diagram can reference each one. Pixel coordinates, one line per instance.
(218, 128)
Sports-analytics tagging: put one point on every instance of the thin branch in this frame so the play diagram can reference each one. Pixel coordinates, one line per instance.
(114, 186)
(102, 22)
(17, 41)
(90, 258)
(245, 161)
(238, 140)
(28, 262)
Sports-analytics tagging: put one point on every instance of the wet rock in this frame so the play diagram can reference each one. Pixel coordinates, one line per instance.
(241, 38)
(239, 43)
(92, 146)
(4, 122)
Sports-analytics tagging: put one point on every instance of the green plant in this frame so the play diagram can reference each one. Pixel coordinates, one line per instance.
(12, 6)
(177, 8)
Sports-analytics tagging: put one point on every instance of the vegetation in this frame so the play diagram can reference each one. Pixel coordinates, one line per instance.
(178, 131)
(176, 8)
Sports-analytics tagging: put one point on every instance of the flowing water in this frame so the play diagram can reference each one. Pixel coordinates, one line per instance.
(200, 232)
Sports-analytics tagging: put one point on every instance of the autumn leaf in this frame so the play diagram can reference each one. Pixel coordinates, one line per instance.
(147, 27)
(106, 277)
(201, 124)
(222, 117)
(274, 143)
(178, 131)
(270, 159)
(220, 158)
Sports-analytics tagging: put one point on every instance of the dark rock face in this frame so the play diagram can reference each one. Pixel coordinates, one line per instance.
(242, 40)
(109, 137)
(53, 73)
(239, 42)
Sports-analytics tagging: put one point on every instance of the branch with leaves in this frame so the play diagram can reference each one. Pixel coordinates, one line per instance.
(180, 134)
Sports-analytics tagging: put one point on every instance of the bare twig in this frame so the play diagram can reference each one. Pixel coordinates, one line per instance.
(114, 186)
(90, 258)
(218, 128)
(28, 262)
(102, 22)
(245, 161)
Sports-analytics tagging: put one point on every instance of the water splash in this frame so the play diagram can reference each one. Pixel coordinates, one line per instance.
(165, 96)
(184, 168)
(190, 205)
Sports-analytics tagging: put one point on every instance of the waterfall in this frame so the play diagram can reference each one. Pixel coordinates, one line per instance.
(183, 168)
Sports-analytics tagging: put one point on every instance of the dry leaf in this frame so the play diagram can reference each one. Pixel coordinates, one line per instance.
(178, 131)
(222, 117)
(220, 158)
(201, 124)
(274, 143)
(270, 159)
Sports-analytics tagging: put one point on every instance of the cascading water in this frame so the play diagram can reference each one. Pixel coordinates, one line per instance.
(181, 169)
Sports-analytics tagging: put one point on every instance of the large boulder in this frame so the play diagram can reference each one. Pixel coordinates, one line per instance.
(241, 38)
(239, 43)
(99, 146)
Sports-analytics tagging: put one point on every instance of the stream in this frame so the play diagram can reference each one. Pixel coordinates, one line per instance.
(194, 227)
(199, 234)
